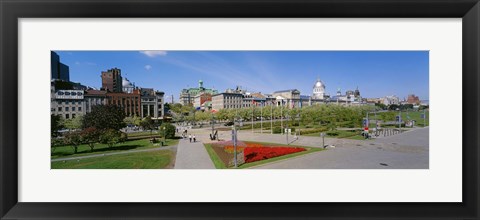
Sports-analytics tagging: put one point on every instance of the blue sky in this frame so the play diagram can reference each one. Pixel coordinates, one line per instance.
(376, 73)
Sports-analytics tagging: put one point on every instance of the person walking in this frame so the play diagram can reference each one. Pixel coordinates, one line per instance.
(194, 139)
(190, 137)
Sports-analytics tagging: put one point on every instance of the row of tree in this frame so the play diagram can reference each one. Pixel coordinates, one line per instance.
(101, 125)
(317, 114)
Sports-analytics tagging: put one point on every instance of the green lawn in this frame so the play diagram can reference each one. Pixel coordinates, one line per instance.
(220, 165)
(215, 159)
(341, 134)
(142, 160)
(67, 151)
(142, 133)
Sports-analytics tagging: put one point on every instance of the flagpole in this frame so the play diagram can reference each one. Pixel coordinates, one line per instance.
(252, 115)
(281, 115)
(271, 118)
(261, 118)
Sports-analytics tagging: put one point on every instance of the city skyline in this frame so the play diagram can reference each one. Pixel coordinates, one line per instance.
(376, 73)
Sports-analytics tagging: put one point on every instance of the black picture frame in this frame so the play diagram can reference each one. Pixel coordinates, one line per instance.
(12, 10)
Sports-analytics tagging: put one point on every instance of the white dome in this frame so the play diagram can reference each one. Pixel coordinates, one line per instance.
(319, 84)
(126, 83)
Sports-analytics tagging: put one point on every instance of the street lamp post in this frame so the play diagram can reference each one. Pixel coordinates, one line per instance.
(213, 126)
(164, 136)
(399, 119)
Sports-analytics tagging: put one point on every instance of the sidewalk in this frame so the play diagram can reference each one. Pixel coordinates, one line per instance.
(192, 156)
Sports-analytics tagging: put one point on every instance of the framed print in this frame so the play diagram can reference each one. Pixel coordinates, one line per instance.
(285, 109)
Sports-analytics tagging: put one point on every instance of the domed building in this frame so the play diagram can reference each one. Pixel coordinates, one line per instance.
(127, 86)
(318, 90)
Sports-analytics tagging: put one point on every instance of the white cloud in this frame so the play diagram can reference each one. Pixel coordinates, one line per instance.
(148, 67)
(154, 53)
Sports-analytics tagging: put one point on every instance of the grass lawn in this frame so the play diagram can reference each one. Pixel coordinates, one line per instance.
(220, 165)
(213, 156)
(67, 151)
(142, 133)
(142, 160)
(341, 134)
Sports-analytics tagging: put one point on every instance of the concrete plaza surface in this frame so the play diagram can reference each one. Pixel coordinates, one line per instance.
(408, 150)
(192, 155)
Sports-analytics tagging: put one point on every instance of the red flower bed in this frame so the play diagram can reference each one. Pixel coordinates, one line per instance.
(261, 153)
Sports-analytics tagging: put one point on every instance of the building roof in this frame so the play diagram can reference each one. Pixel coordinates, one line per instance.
(319, 84)
(95, 92)
(288, 90)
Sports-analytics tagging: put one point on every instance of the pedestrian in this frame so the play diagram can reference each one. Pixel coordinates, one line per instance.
(194, 139)
(190, 137)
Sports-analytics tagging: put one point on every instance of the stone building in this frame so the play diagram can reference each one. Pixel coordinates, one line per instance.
(94, 97)
(130, 102)
(152, 103)
(187, 96)
(227, 100)
(201, 98)
(68, 103)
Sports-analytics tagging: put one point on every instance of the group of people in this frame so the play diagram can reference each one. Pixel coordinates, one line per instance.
(191, 137)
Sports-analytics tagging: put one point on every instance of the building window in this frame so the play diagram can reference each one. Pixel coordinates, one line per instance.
(73, 115)
(59, 109)
(66, 102)
(67, 116)
(66, 109)
(73, 109)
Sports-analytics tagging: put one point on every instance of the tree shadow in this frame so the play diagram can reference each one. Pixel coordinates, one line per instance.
(80, 153)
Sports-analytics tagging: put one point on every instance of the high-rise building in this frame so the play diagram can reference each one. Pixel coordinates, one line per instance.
(58, 69)
(112, 80)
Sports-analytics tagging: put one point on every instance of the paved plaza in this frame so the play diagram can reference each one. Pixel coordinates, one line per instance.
(408, 150)
(192, 156)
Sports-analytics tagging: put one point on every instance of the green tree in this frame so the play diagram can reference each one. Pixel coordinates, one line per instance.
(55, 125)
(167, 129)
(148, 124)
(110, 137)
(90, 136)
(104, 117)
(74, 140)
(73, 123)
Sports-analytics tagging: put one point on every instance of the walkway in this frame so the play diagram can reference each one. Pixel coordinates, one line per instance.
(115, 153)
(192, 156)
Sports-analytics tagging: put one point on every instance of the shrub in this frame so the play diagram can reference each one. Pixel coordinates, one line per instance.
(277, 130)
(169, 130)
(315, 130)
(332, 133)
(110, 137)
